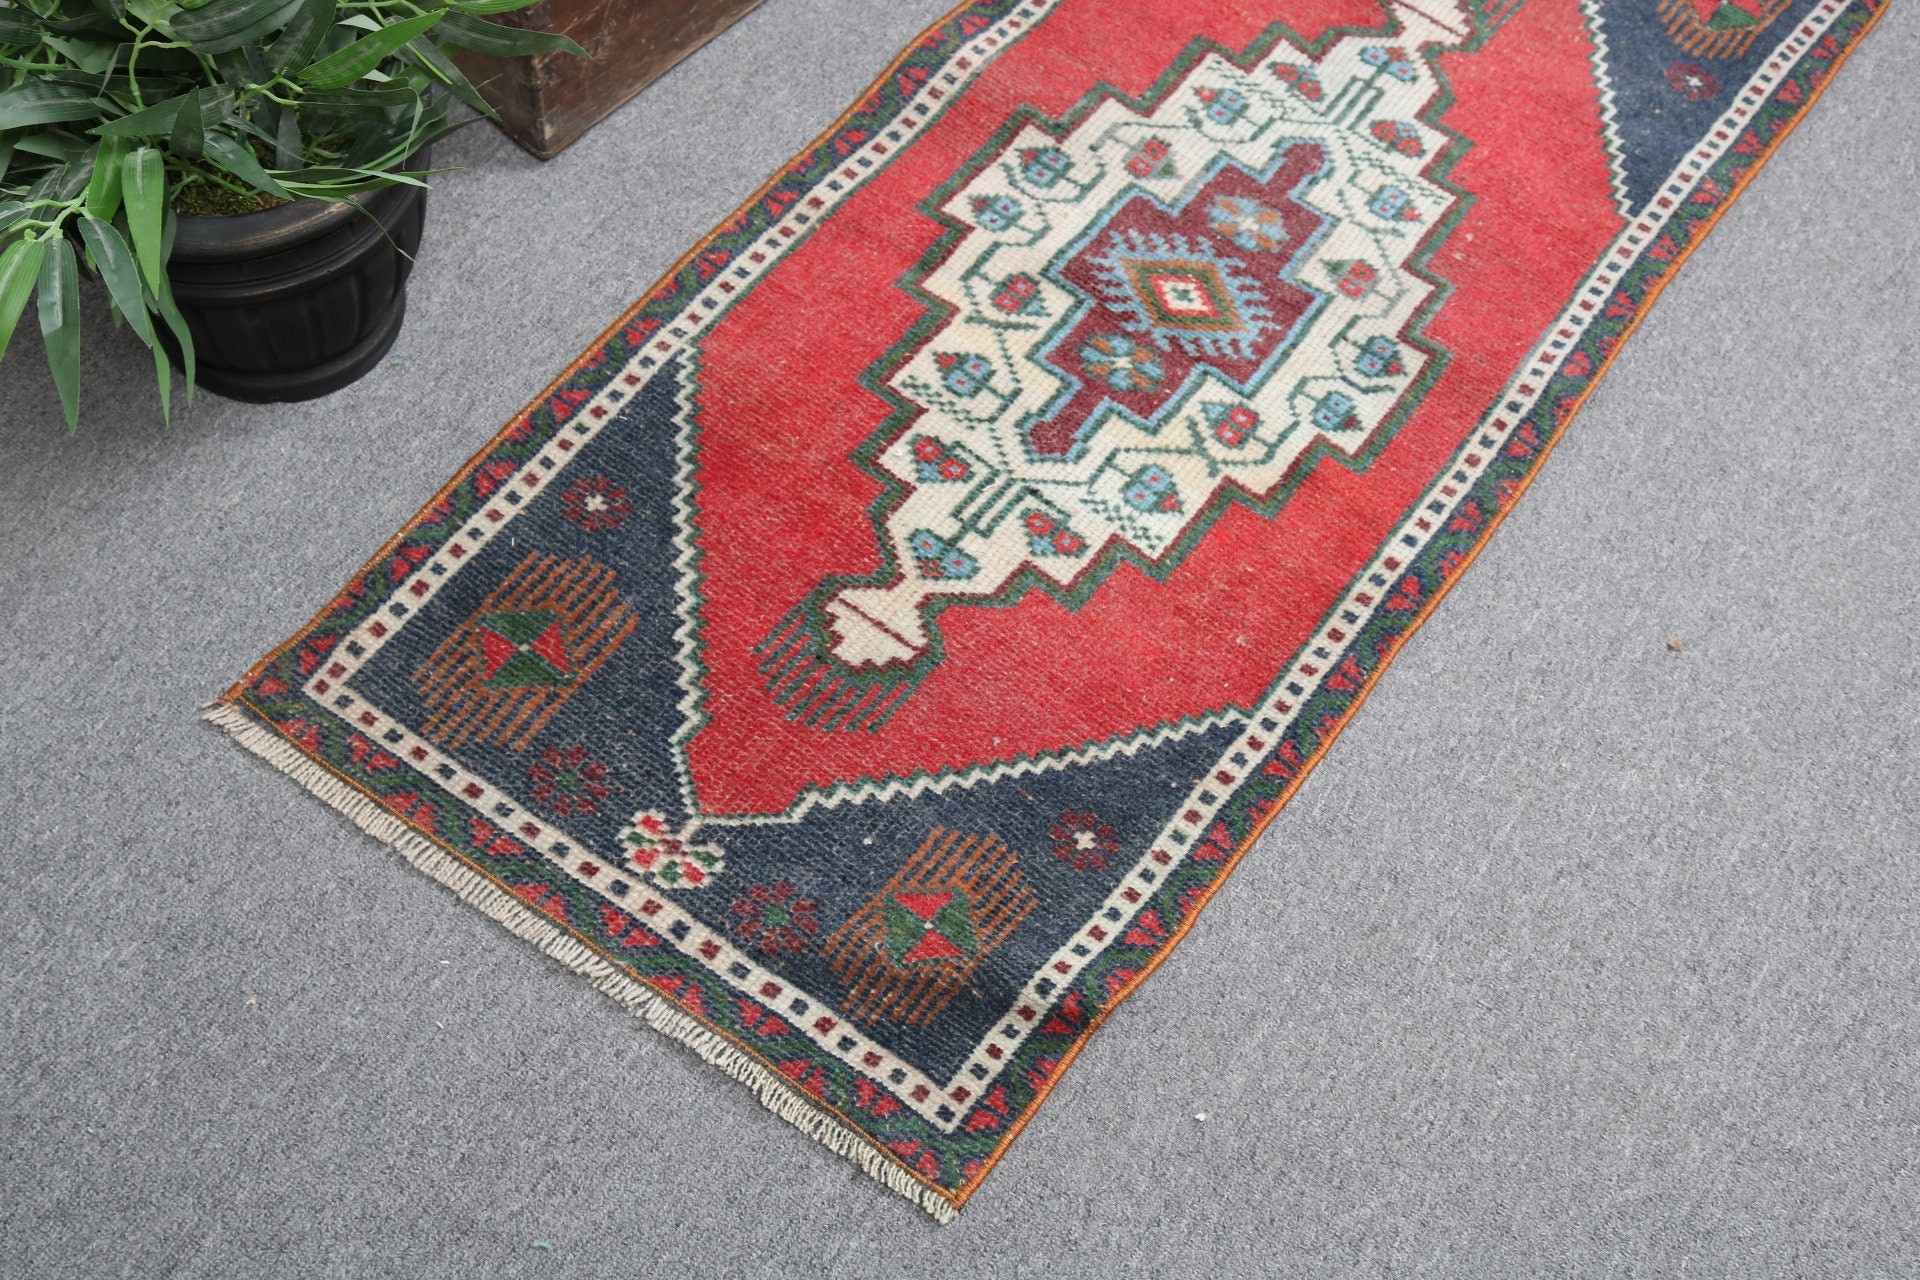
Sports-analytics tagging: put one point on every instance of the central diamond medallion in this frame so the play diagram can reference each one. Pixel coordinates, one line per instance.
(1175, 292)
(1144, 317)
(1175, 280)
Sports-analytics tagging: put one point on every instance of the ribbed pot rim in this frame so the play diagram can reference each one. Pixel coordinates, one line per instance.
(234, 236)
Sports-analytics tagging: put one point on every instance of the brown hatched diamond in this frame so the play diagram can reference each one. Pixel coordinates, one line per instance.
(501, 675)
(916, 944)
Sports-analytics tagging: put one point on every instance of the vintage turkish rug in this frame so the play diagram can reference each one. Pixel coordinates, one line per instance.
(867, 660)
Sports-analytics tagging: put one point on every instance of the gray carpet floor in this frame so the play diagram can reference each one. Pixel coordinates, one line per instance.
(1580, 956)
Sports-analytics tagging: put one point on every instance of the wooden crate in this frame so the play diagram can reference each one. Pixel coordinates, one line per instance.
(548, 100)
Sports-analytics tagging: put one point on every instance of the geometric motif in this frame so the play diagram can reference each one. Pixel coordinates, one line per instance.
(1179, 285)
(670, 857)
(775, 918)
(1142, 313)
(566, 782)
(913, 947)
(536, 638)
(1175, 292)
(1083, 841)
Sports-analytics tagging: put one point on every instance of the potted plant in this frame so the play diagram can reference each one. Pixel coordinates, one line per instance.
(246, 177)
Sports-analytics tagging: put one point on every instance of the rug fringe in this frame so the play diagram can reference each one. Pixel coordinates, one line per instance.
(772, 1089)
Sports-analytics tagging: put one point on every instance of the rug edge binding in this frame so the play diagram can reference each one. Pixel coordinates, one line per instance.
(521, 920)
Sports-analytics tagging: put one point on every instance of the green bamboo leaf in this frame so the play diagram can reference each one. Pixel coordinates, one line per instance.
(54, 146)
(60, 322)
(330, 190)
(399, 177)
(103, 189)
(492, 6)
(189, 136)
(114, 260)
(157, 118)
(361, 99)
(155, 86)
(174, 62)
(115, 9)
(90, 24)
(325, 182)
(61, 183)
(37, 102)
(143, 188)
(91, 82)
(378, 148)
(91, 56)
(231, 67)
(162, 304)
(18, 26)
(253, 128)
(313, 173)
(510, 42)
(216, 104)
(443, 70)
(242, 68)
(223, 25)
(306, 31)
(154, 13)
(238, 159)
(19, 272)
(163, 374)
(6, 156)
(338, 70)
(288, 150)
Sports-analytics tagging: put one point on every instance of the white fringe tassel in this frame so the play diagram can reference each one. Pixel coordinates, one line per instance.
(773, 1090)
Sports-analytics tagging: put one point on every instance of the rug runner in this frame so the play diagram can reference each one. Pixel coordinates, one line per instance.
(870, 656)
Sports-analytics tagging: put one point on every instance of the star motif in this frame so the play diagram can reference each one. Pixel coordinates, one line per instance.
(926, 927)
(524, 649)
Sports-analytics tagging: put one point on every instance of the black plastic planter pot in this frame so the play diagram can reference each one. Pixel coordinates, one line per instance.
(294, 302)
